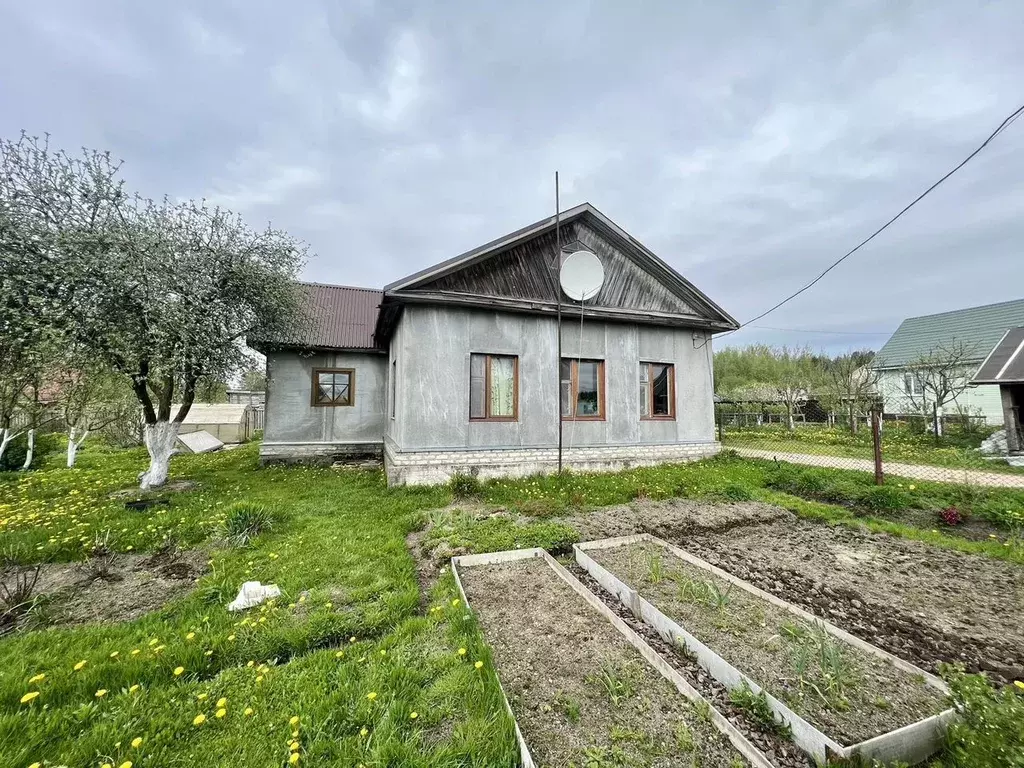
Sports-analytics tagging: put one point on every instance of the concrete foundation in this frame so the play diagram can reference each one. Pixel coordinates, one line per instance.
(432, 467)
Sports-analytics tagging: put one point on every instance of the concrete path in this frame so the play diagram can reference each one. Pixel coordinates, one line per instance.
(914, 471)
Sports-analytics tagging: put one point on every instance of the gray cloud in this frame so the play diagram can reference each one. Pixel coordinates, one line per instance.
(747, 144)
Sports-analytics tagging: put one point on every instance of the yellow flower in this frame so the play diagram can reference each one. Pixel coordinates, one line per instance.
(114, 654)
(413, 715)
(221, 712)
(294, 721)
(250, 664)
(371, 695)
(29, 696)
(462, 651)
(363, 731)
(36, 765)
(259, 678)
(106, 765)
(154, 641)
(383, 653)
(178, 671)
(293, 746)
(352, 639)
(231, 638)
(208, 653)
(478, 664)
(136, 742)
(190, 636)
(248, 711)
(455, 603)
(912, 487)
(199, 719)
(338, 655)
(126, 764)
(202, 696)
(136, 651)
(294, 759)
(1019, 684)
(134, 688)
(328, 605)
(79, 665)
(37, 678)
(101, 693)
(222, 702)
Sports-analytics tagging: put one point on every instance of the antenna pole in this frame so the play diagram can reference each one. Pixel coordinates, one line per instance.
(558, 304)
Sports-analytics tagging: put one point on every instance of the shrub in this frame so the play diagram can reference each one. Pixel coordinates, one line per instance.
(736, 492)
(990, 730)
(245, 521)
(883, 498)
(464, 486)
(17, 449)
(842, 492)
(951, 516)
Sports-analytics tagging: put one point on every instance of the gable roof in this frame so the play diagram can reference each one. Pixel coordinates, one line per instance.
(516, 272)
(977, 328)
(340, 317)
(1005, 363)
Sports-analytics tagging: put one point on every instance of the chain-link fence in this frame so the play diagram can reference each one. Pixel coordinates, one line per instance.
(951, 448)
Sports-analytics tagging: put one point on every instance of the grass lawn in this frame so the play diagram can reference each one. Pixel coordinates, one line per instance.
(899, 444)
(352, 665)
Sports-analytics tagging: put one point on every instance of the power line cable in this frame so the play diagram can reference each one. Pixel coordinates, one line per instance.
(1002, 126)
(810, 330)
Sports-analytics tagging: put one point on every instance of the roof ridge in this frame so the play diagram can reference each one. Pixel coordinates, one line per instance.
(964, 309)
(335, 285)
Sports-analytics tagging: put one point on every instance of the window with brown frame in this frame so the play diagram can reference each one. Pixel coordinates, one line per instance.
(334, 386)
(493, 387)
(657, 391)
(582, 391)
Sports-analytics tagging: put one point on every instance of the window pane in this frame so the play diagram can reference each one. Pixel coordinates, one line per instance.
(661, 392)
(587, 393)
(565, 394)
(645, 405)
(332, 388)
(477, 399)
(476, 366)
(503, 371)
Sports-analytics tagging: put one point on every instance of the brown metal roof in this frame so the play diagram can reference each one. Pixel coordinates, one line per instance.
(341, 317)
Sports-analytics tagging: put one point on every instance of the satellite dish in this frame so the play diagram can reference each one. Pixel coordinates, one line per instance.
(582, 275)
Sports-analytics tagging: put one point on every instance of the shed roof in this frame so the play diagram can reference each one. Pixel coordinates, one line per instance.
(977, 328)
(214, 413)
(341, 317)
(1005, 363)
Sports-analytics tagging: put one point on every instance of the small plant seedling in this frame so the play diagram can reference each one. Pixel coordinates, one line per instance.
(757, 708)
(615, 683)
(702, 709)
(684, 737)
(569, 707)
(655, 568)
(718, 599)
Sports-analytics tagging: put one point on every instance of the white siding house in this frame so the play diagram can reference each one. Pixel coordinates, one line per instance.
(975, 330)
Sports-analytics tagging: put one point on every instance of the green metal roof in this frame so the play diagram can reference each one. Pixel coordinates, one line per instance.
(979, 329)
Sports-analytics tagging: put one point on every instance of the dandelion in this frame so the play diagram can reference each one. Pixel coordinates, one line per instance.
(383, 653)
(37, 678)
(231, 638)
(293, 746)
(248, 712)
(372, 695)
(413, 715)
(101, 693)
(352, 639)
(221, 712)
(114, 654)
(455, 603)
(134, 688)
(294, 721)
(363, 731)
(202, 696)
(36, 765)
(338, 655)
(154, 641)
(250, 664)
(479, 664)
(125, 764)
(199, 719)
(222, 702)
(190, 636)
(1019, 684)
(179, 671)
(136, 651)
(208, 653)
(462, 651)
(259, 678)
(328, 605)
(29, 696)
(294, 759)
(136, 742)
(80, 665)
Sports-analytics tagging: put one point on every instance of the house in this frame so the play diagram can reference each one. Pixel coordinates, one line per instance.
(1004, 368)
(926, 351)
(456, 369)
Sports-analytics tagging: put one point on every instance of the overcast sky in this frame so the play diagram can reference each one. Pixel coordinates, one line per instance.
(747, 144)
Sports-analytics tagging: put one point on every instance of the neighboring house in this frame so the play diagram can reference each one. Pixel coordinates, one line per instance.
(254, 397)
(972, 331)
(1004, 368)
(455, 369)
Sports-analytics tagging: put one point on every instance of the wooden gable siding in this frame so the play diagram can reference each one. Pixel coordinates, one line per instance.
(524, 273)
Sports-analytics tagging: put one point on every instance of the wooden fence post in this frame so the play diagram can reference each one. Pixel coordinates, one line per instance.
(876, 438)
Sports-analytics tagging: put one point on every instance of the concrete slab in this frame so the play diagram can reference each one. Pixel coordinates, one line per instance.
(200, 442)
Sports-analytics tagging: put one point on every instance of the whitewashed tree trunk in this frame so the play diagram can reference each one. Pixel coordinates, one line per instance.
(159, 439)
(31, 449)
(790, 421)
(74, 445)
(6, 435)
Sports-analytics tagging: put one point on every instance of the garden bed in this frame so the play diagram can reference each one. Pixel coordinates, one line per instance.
(837, 693)
(584, 688)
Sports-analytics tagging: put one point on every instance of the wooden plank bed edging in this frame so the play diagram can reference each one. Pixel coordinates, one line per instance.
(911, 743)
(752, 754)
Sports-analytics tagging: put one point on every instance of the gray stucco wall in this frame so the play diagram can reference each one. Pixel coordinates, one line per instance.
(432, 346)
(294, 428)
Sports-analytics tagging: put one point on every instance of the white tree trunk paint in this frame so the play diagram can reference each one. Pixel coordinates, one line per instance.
(31, 449)
(159, 440)
(74, 445)
(6, 435)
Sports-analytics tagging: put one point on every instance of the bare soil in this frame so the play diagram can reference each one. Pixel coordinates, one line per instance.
(131, 586)
(853, 697)
(560, 662)
(924, 603)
